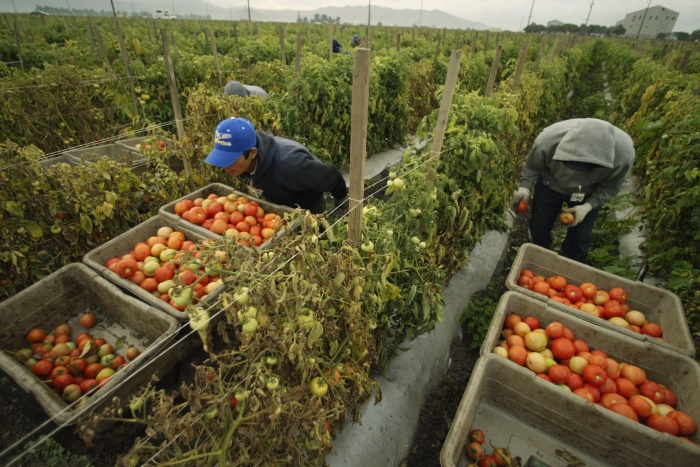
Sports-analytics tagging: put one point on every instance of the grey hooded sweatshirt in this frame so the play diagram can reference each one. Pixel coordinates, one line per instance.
(605, 153)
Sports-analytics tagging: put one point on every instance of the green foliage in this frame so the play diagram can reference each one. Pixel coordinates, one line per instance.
(478, 316)
(51, 454)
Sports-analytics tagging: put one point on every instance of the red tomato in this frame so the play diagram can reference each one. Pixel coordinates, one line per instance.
(557, 282)
(477, 436)
(618, 294)
(62, 329)
(126, 268)
(573, 293)
(533, 322)
(87, 320)
(686, 424)
(563, 348)
(58, 371)
(474, 450)
(61, 381)
(594, 375)
(559, 374)
(88, 385)
(117, 362)
(588, 290)
(653, 391)
(522, 206)
(197, 215)
(92, 370)
(42, 368)
(488, 461)
(250, 209)
(35, 336)
(652, 329)
(663, 423)
(63, 360)
(625, 410)
(62, 338)
(77, 366)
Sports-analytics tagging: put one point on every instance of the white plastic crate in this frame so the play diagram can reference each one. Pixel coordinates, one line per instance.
(220, 189)
(124, 243)
(533, 418)
(61, 298)
(658, 305)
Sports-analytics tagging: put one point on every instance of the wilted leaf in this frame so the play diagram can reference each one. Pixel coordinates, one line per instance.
(86, 223)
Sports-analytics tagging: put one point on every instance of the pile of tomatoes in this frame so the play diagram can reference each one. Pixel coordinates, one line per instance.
(233, 216)
(556, 356)
(610, 304)
(73, 367)
(478, 452)
(154, 265)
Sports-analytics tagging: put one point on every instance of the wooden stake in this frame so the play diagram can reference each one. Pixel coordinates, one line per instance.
(174, 99)
(297, 59)
(214, 51)
(553, 50)
(444, 113)
(283, 52)
(398, 42)
(103, 51)
(494, 71)
(92, 38)
(17, 42)
(474, 36)
(540, 52)
(519, 69)
(358, 140)
(684, 60)
(125, 59)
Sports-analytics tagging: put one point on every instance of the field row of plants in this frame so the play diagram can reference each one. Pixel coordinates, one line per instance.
(327, 312)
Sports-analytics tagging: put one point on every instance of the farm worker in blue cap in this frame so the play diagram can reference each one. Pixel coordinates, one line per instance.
(582, 162)
(234, 88)
(284, 170)
(356, 41)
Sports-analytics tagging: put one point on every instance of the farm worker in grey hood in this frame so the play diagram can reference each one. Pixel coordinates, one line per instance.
(582, 162)
(284, 170)
(234, 88)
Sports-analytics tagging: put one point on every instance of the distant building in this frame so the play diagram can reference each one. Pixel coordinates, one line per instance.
(649, 23)
(159, 13)
(555, 22)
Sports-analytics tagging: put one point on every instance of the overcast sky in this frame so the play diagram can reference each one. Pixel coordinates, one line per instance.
(507, 14)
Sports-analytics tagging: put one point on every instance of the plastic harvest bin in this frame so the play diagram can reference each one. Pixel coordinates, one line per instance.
(659, 306)
(130, 143)
(61, 298)
(121, 155)
(220, 189)
(63, 158)
(123, 244)
(678, 372)
(533, 418)
(174, 162)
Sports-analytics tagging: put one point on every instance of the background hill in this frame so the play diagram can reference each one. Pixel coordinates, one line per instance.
(185, 8)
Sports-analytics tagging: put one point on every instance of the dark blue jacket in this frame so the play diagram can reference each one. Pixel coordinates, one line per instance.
(288, 174)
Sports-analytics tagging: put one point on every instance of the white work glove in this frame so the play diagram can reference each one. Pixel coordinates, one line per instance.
(521, 194)
(579, 212)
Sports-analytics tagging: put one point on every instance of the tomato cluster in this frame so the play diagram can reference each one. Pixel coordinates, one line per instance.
(73, 367)
(555, 355)
(154, 265)
(477, 452)
(233, 216)
(610, 305)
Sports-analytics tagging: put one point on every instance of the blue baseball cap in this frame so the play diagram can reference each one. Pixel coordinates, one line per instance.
(232, 137)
